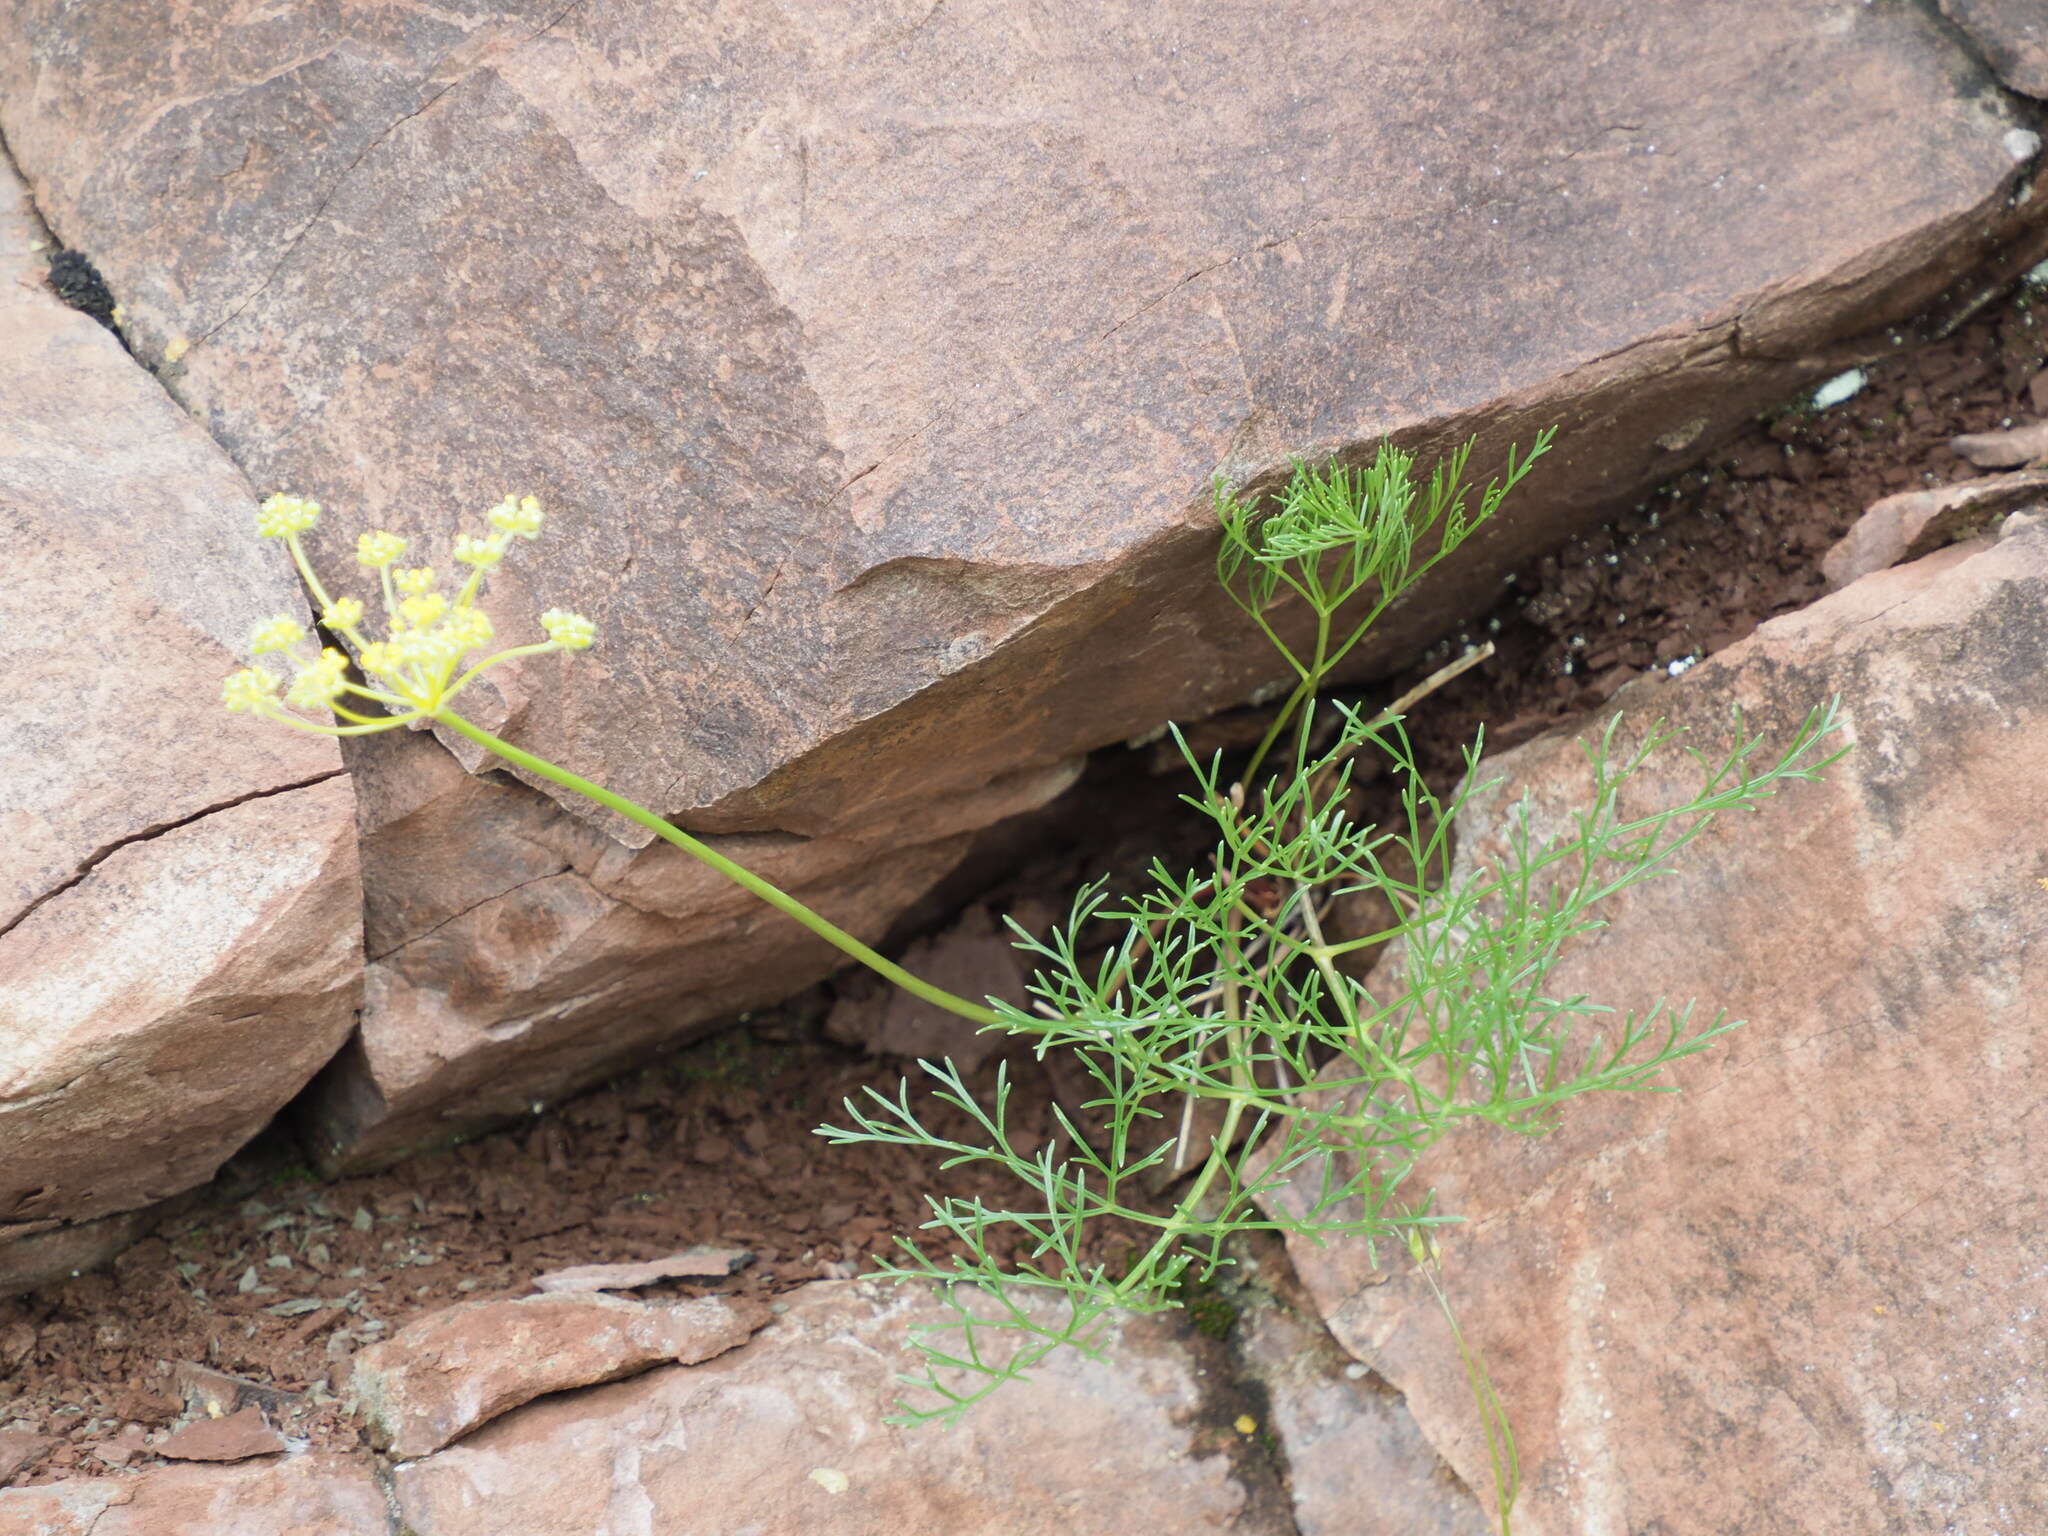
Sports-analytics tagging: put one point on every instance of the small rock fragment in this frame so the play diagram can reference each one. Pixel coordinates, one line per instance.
(234, 1438)
(217, 1394)
(1916, 523)
(2004, 450)
(20, 1448)
(441, 1376)
(691, 1262)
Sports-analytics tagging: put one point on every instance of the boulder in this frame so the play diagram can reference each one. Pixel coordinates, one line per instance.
(180, 912)
(313, 1495)
(879, 361)
(1799, 1295)
(787, 1434)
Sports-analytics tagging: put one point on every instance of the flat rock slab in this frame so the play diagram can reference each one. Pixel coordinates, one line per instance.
(315, 1495)
(787, 1435)
(443, 1375)
(235, 1437)
(180, 909)
(1803, 1295)
(879, 362)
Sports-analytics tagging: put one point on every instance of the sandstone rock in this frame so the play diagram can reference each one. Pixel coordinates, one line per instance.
(975, 957)
(503, 934)
(442, 1375)
(2004, 450)
(19, 1447)
(700, 1261)
(237, 1437)
(882, 434)
(315, 1495)
(787, 1435)
(1916, 523)
(1357, 1464)
(1799, 1296)
(179, 905)
(2013, 35)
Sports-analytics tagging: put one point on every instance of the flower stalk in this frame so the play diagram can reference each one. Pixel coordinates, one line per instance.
(414, 672)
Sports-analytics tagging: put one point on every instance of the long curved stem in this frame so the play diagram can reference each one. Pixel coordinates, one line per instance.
(741, 876)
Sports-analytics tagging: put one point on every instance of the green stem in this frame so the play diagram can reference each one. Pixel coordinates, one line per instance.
(741, 876)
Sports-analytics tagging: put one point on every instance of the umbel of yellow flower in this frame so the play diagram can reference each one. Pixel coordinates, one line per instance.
(420, 662)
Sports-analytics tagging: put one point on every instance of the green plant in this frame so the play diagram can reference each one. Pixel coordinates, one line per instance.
(1219, 1025)
(1219, 988)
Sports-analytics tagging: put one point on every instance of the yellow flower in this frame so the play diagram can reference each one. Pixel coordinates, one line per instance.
(375, 549)
(275, 635)
(281, 515)
(481, 553)
(571, 631)
(343, 613)
(422, 610)
(251, 689)
(470, 628)
(521, 518)
(316, 686)
(414, 582)
(380, 659)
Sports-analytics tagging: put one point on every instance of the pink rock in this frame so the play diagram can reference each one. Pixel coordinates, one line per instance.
(1357, 1463)
(882, 434)
(442, 1375)
(314, 1495)
(236, 1437)
(2013, 35)
(976, 958)
(179, 904)
(18, 1448)
(2004, 450)
(1914, 524)
(703, 1262)
(787, 1435)
(1798, 1295)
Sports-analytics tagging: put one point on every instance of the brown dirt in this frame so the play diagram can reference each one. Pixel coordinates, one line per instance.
(714, 1145)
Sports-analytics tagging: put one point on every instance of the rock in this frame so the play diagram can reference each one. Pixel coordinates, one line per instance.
(179, 905)
(217, 1394)
(975, 958)
(2004, 450)
(236, 1437)
(2013, 35)
(442, 1375)
(1916, 523)
(1796, 1296)
(700, 1261)
(1357, 1464)
(134, 1441)
(20, 1448)
(787, 1435)
(881, 435)
(517, 955)
(313, 1495)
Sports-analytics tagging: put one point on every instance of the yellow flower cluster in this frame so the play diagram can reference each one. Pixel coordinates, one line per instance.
(419, 664)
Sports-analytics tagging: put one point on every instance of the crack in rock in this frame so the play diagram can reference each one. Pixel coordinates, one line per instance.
(100, 855)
